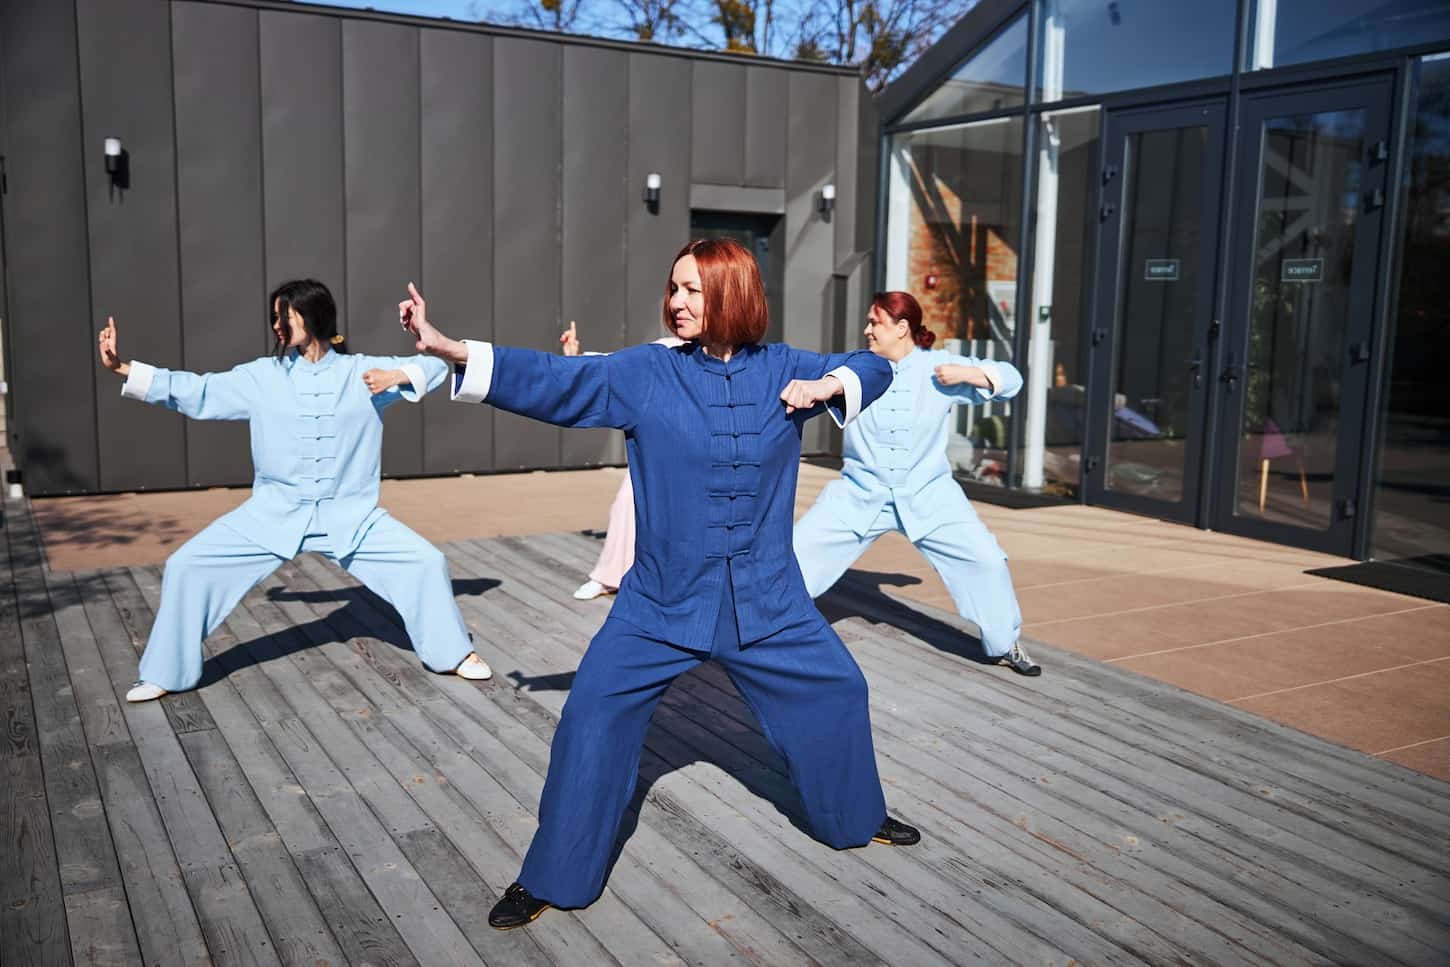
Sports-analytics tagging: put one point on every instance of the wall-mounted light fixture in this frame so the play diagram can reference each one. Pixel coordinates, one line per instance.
(118, 166)
(652, 183)
(826, 202)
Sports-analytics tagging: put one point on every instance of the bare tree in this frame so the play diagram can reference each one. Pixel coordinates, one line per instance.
(882, 36)
(652, 20)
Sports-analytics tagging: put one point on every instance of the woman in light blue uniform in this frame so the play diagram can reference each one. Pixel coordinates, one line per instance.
(713, 430)
(896, 477)
(316, 419)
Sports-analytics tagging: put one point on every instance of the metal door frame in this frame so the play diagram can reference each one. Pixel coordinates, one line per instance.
(1115, 163)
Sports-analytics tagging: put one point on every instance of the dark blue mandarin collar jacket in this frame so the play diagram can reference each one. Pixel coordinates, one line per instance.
(714, 459)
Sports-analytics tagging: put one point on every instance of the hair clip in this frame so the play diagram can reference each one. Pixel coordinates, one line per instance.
(337, 339)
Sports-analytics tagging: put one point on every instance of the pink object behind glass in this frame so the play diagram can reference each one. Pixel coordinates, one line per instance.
(617, 556)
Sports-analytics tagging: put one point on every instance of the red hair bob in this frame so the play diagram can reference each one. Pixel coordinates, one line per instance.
(903, 305)
(736, 313)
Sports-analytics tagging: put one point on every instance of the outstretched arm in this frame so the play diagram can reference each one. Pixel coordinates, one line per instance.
(204, 396)
(846, 383)
(584, 391)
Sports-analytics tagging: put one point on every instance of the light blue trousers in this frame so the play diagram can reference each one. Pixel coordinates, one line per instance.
(209, 574)
(963, 551)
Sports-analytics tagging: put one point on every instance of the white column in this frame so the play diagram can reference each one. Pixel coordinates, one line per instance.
(1039, 345)
(898, 215)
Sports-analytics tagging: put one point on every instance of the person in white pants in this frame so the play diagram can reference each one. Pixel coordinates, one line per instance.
(896, 477)
(316, 417)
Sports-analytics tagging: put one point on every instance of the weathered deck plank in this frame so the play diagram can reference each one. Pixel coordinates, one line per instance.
(323, 798)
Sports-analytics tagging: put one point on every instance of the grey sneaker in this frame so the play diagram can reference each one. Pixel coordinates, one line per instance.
(1018, 661)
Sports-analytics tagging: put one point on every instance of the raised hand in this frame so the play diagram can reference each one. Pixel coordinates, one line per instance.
(569, 340)
(110, 356)
(802, 394)
(382, 380)
(413, 316)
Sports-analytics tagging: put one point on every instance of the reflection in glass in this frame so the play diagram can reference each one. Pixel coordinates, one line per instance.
(1297, 31)
(1100, 46)
(992, 78)
(953, 232)
(1412, 493)
(1299, 303)
(1055, 399)
(1162, 240)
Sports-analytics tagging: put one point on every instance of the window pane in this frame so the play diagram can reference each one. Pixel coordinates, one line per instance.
(1099, 46)
(993, 78)
(1296, 31)
(1056, 407)
(953, 231)
(1412, 495)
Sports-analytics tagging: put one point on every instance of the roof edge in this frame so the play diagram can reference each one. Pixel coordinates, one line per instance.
(527, 33)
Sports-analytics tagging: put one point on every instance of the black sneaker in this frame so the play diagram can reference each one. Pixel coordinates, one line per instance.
(894, 832)
(1017, 660)
(515, 908)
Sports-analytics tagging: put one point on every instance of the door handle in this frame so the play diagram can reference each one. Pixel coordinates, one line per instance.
(1195, 366)
(1359, 352)
(1231, 373)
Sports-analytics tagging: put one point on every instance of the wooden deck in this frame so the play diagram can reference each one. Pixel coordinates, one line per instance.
(323, 800)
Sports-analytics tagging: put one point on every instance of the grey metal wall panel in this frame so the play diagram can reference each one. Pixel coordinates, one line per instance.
(125, 69)
(810, 241)
(219, 216)
(301, 58)
(843, 219)
(659, 109)
(767, 96)
(384, 243)
(717, 123)
(868, 152)
(596, 203)
(527, 162)
(51, 333)
(456, 84)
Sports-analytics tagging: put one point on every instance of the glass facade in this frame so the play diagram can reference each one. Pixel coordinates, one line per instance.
(1412, 489)
(1088, 47)
(1165, 371)
(1299, 31)
(1056, 408)
(954, 243)
(992, 79)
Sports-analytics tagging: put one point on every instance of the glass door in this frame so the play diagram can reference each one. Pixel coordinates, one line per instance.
(1296, 368)
(1159, 217)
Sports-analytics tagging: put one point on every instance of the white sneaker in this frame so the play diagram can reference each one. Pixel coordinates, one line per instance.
(144, 692)
(1017, 660)
(592, 589)
(474, 669)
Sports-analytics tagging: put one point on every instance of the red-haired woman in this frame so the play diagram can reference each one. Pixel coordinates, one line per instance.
(713, 430)
(896, 477)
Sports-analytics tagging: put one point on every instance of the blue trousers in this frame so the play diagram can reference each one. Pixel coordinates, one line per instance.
(804, 688)
(963, 551)
(209, 574)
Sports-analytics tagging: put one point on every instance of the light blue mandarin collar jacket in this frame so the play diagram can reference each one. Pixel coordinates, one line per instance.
(317, 436)
(897, 451)
(713, 457)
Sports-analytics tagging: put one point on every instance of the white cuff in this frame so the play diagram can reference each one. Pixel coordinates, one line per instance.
(472, 380)
(851, 385)
(419, 382)
(138, 381)
(989, 369)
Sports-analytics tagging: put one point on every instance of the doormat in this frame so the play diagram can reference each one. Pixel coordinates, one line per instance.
(1421, 577)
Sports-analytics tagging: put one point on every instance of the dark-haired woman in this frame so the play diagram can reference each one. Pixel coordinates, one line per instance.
(316, 417)
(896, 477)
(713, 430)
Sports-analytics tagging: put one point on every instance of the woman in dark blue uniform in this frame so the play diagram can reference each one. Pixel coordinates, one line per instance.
(713, 430)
